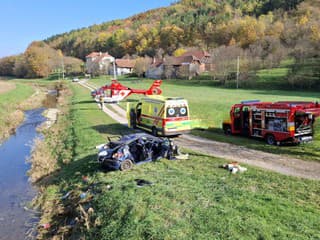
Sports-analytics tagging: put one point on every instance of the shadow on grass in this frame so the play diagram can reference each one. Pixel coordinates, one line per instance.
(72, 171)
(85, 102)
(131, 100)
(113, 129)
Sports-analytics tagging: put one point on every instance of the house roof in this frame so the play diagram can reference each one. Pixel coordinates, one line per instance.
(98, 54)
(156, 62)
(177, 61)
(98, 59)
(197, 53)
(125, 63)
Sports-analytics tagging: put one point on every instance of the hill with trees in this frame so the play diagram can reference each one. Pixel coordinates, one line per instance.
(262, 32)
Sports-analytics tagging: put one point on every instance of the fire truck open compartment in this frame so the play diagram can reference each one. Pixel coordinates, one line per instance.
(275, 122)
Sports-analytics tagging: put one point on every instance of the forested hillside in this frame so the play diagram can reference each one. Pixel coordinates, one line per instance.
(262, 32)
(202, 23)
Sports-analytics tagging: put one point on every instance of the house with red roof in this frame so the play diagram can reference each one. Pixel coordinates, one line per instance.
(124, 66)
(98, 62)
(182, 67)
(203, 56)
(187, 65)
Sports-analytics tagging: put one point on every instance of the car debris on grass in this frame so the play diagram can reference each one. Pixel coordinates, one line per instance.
(234, 167)
(136, 148)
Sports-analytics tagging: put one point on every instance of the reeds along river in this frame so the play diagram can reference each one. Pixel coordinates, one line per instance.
(15, 189)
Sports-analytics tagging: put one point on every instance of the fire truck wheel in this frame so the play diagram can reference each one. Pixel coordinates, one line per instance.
(270, 139)
(227, 130)
(126, 165)
(154, 131)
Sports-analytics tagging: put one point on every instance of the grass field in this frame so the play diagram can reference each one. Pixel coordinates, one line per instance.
(211, 105)
(189, 199)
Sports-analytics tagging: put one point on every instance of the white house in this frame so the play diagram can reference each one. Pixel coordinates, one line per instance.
(98, 62)
(123, 66)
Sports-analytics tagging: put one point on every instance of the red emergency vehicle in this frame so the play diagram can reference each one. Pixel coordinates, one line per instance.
(275, 122)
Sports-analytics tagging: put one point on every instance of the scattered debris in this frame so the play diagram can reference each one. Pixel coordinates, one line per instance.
(85, 179)
(182, 156)
(234, 167)
(142, 182)
(46, 225)
(66, 195)
(83, 195)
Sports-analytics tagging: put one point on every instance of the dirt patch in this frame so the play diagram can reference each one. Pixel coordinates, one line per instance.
(52, 115)
(6, 86)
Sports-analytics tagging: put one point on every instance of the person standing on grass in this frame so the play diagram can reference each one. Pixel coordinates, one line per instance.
(101, 102)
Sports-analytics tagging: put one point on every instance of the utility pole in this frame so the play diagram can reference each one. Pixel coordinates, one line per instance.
(114, 69)
(238, 71)
(62, 62)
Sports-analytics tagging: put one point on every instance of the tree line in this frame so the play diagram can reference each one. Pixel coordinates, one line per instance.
(40, 60)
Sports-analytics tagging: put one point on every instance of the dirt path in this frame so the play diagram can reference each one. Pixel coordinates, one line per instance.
(273, 162)
(278, 163)
(6, 86)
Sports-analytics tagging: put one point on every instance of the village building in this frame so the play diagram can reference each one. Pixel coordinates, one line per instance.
(98, 62)
(182, 67)
(156, 69)
(188, 65)
(204, 58)
(123, 66)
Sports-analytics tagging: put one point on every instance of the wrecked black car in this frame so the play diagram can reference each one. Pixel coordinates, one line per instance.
(135, 149)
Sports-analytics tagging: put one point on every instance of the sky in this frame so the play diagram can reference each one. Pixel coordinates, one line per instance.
(24, 21)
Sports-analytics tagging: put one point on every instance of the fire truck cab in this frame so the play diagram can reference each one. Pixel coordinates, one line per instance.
(275, 122)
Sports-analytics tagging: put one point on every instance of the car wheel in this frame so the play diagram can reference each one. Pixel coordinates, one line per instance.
(154, 131)
(126, 165)
(270, 139)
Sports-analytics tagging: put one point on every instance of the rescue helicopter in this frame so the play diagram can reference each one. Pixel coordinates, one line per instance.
(116, 92)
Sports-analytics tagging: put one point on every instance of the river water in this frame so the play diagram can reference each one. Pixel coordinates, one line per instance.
(15, 189)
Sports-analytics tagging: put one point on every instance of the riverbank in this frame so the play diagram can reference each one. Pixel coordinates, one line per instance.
(50, 156)
(16, 219)
(14, 101)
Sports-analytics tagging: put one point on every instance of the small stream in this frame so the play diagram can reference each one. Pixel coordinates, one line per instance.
(15, 189)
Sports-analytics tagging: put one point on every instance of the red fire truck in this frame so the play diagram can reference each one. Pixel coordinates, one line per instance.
(275, 122)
